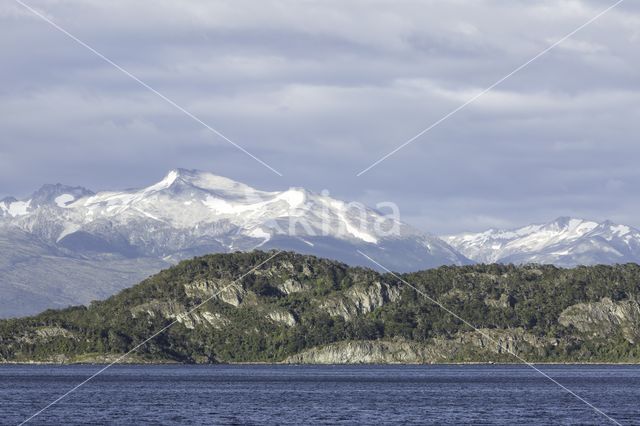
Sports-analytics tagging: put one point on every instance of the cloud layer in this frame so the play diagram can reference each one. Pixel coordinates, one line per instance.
(321, 89)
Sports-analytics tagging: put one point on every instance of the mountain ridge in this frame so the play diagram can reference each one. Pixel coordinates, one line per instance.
(190, 199)
(189, 213)
(295, 308)
(108, 240)
(565, 241)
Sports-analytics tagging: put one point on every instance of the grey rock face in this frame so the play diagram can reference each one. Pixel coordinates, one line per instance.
(492, 344)
(604, 319)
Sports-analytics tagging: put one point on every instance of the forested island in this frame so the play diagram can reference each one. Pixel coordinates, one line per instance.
(304, 309)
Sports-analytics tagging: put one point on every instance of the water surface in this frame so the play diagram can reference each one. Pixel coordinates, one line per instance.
(267, 394)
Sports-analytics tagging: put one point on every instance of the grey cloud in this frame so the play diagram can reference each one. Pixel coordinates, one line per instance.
(320, 90)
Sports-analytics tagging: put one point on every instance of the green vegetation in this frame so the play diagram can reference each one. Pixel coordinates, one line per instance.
(295, 302)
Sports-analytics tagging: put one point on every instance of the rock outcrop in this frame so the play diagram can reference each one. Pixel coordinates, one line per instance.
(604, 319)
(487, 344)
(360, 300)
(364, 352)
(223, 290)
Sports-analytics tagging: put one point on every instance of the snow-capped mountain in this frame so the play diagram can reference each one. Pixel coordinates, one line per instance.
(563, 242)
(189, 213)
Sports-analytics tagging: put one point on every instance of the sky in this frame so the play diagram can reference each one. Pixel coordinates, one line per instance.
(320, 90)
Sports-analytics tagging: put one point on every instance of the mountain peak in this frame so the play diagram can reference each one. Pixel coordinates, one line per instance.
(166, 182)
(59, 194)
(179, 177)
(187, 174)
(564, 222)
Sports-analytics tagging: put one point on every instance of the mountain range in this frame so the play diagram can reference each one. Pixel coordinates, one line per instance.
(66, 245)
(565, 242)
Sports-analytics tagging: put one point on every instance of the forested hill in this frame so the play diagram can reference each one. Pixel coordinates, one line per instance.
(299, 308)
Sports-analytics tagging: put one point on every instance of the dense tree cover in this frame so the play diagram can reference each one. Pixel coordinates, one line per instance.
(530, 297)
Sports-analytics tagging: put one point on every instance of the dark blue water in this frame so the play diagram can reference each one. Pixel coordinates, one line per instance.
(492, 394)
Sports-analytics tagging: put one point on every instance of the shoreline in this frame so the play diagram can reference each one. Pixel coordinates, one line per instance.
(171, 363)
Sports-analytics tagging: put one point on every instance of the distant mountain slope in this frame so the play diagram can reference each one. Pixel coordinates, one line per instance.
(35, 276)
(101, 242)
(302, 309)
(563, 242)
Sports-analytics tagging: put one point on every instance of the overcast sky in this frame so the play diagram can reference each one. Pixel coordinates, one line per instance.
(321, 89)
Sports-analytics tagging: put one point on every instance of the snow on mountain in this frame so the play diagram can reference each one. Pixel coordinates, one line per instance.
(9, 206)
(58, 194)
(190, 213)
(67, 245)
(564, 242)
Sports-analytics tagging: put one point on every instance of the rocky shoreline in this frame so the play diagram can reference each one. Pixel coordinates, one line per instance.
(168, 363)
